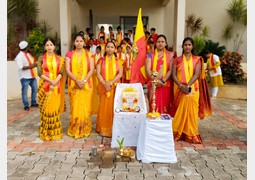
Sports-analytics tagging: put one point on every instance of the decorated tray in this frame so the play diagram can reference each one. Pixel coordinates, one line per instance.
(126, 152)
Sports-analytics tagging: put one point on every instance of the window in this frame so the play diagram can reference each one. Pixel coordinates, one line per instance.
(128, 22)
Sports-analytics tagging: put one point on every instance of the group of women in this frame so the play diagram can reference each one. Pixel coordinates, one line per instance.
(79, 66)
(180, 74)
(181, 88)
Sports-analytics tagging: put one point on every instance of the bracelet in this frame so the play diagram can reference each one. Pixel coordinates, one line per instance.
(180, 86)
(110, 83)
(162, 81)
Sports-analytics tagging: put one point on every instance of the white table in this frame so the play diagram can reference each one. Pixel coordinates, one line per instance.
(127, 124)
(155, 142)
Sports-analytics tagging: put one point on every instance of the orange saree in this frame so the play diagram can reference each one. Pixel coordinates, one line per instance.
(109, 69)
(186, 108)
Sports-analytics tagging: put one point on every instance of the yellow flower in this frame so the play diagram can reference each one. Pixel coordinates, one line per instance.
(129, 89)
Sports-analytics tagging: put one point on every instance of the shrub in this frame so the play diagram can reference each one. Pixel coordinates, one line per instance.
(35, 41)
(213, 47)
(199, 44)
(232, 71)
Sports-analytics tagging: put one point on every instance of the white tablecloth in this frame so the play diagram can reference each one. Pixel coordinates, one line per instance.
(155, 142)
(127, 124)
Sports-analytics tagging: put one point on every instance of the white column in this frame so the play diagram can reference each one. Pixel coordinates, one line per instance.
(65, 25)
(179, 25)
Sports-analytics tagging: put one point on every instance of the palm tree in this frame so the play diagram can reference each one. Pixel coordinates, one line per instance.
(21, 18)
(193, 24)
(22, 14)
(237, 11)
(205, 31)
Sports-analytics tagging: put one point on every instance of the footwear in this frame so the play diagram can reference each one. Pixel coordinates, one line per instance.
(213, 98)
(26, 108)
(34, 105)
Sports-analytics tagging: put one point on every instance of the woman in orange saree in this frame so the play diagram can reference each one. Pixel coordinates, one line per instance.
(185, 108)
(51, 92)
(80, 68)
(109, 73)
(161, 61)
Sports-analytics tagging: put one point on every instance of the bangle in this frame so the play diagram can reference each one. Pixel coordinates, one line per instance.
(180, 86)
(110, 83)
(162, 81)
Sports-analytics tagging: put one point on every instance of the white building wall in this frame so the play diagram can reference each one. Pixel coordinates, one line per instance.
(49, 11)
(13, 82)
(214, 15)
(169, 23)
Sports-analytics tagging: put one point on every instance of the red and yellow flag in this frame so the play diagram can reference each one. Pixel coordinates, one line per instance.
(138, 74)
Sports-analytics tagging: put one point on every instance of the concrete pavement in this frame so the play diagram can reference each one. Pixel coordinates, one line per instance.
(222, 155)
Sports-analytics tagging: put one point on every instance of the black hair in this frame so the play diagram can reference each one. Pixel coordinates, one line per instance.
(87, 29)
(127, 39)
(192, 42)
(147, 32)
(79, 35)
(118, 27)
(91, 35)
(153, 29)
(49, 39)
(99, 47)
(87, 47)
(81, 32)
(206, 51)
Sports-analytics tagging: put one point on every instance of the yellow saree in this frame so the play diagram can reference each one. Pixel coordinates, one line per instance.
(51, 102)
(80, 99)
(185, 121)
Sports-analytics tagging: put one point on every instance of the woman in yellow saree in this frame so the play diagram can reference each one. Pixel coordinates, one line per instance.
(109, 73)
(80, 68)
(51, 92)
(187, 105)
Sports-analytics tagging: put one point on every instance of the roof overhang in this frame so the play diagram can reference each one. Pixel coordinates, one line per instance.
(162, 2)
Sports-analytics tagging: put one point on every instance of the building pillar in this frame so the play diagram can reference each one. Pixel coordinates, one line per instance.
(65, 25)
(179, 25)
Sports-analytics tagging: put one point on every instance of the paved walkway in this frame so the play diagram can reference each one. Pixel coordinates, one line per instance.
(223, 154)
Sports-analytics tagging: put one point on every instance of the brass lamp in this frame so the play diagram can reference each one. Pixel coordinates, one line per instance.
(155, 74)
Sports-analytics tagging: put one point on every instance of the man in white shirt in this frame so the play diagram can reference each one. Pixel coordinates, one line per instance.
(214, 70)
(93, 47)
(27, 74)
(130, 36)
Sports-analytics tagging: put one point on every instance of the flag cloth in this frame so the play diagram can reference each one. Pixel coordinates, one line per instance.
(138, 74)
